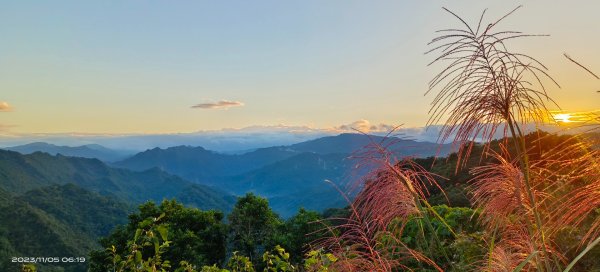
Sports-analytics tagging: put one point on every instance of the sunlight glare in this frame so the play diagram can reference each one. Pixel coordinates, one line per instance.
(562, 117)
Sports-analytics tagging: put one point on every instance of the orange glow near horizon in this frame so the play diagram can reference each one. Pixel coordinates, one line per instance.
(562, 118)
(580, 117)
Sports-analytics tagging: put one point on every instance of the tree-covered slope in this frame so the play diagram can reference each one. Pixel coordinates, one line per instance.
(21, 173)
(56, 221)
(85, 211)
(201, 165)
(4, 197)
(300, 181)
(348, 143)
(205, 166)
(289, 176)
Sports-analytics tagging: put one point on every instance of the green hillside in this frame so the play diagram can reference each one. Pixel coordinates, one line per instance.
(60, 206)
(201, 165)
(56, 221)
(4, 197)
(299, 181)
(289, 176)
(22, 173)
(85, 211)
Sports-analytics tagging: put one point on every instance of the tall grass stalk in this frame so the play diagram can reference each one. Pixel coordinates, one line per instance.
(394, 189)
(486, 88)
(527, 193)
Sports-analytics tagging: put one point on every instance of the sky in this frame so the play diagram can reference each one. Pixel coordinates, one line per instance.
(153, 67)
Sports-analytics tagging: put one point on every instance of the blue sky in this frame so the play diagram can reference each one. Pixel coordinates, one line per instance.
(141, 66)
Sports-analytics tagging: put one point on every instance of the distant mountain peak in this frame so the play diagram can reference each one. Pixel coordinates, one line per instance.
(39, 144)
(85, 151)
(185, 147)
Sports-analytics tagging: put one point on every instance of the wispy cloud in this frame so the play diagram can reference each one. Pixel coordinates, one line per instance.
(5, 130)
(223, 104)
(428, 134)
(365, 126)
(4, 106)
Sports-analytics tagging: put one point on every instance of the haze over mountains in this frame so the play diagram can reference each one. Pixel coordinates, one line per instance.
(291, 176)
(85, 151)
(224, 140)
(236, 141)
(197, 163)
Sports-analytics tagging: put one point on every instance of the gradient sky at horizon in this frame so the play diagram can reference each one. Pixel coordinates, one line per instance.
(141, 66)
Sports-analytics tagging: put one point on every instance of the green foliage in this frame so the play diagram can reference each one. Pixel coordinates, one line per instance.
(463, 249)
(568, 241)
(145, 251)
(28, 268)
(185, 266)
(319, 261)
(207, 268)
(467, 249)
(195, 236)
(454, 195)
(299, 231)
(240, 263)
(278, 260)
(252, 226)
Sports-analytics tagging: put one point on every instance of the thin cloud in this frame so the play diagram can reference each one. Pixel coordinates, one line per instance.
(4, 128)
(365, 126)
(5, 106)
(223, 104)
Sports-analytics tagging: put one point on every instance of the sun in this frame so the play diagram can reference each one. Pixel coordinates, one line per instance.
(562, 118)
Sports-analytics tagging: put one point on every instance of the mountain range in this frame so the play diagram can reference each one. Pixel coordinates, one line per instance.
(289, 176)
(54, 205)
(21, 173)
(61, 199)
(85, 151)
(201, 165)
(278, 173)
